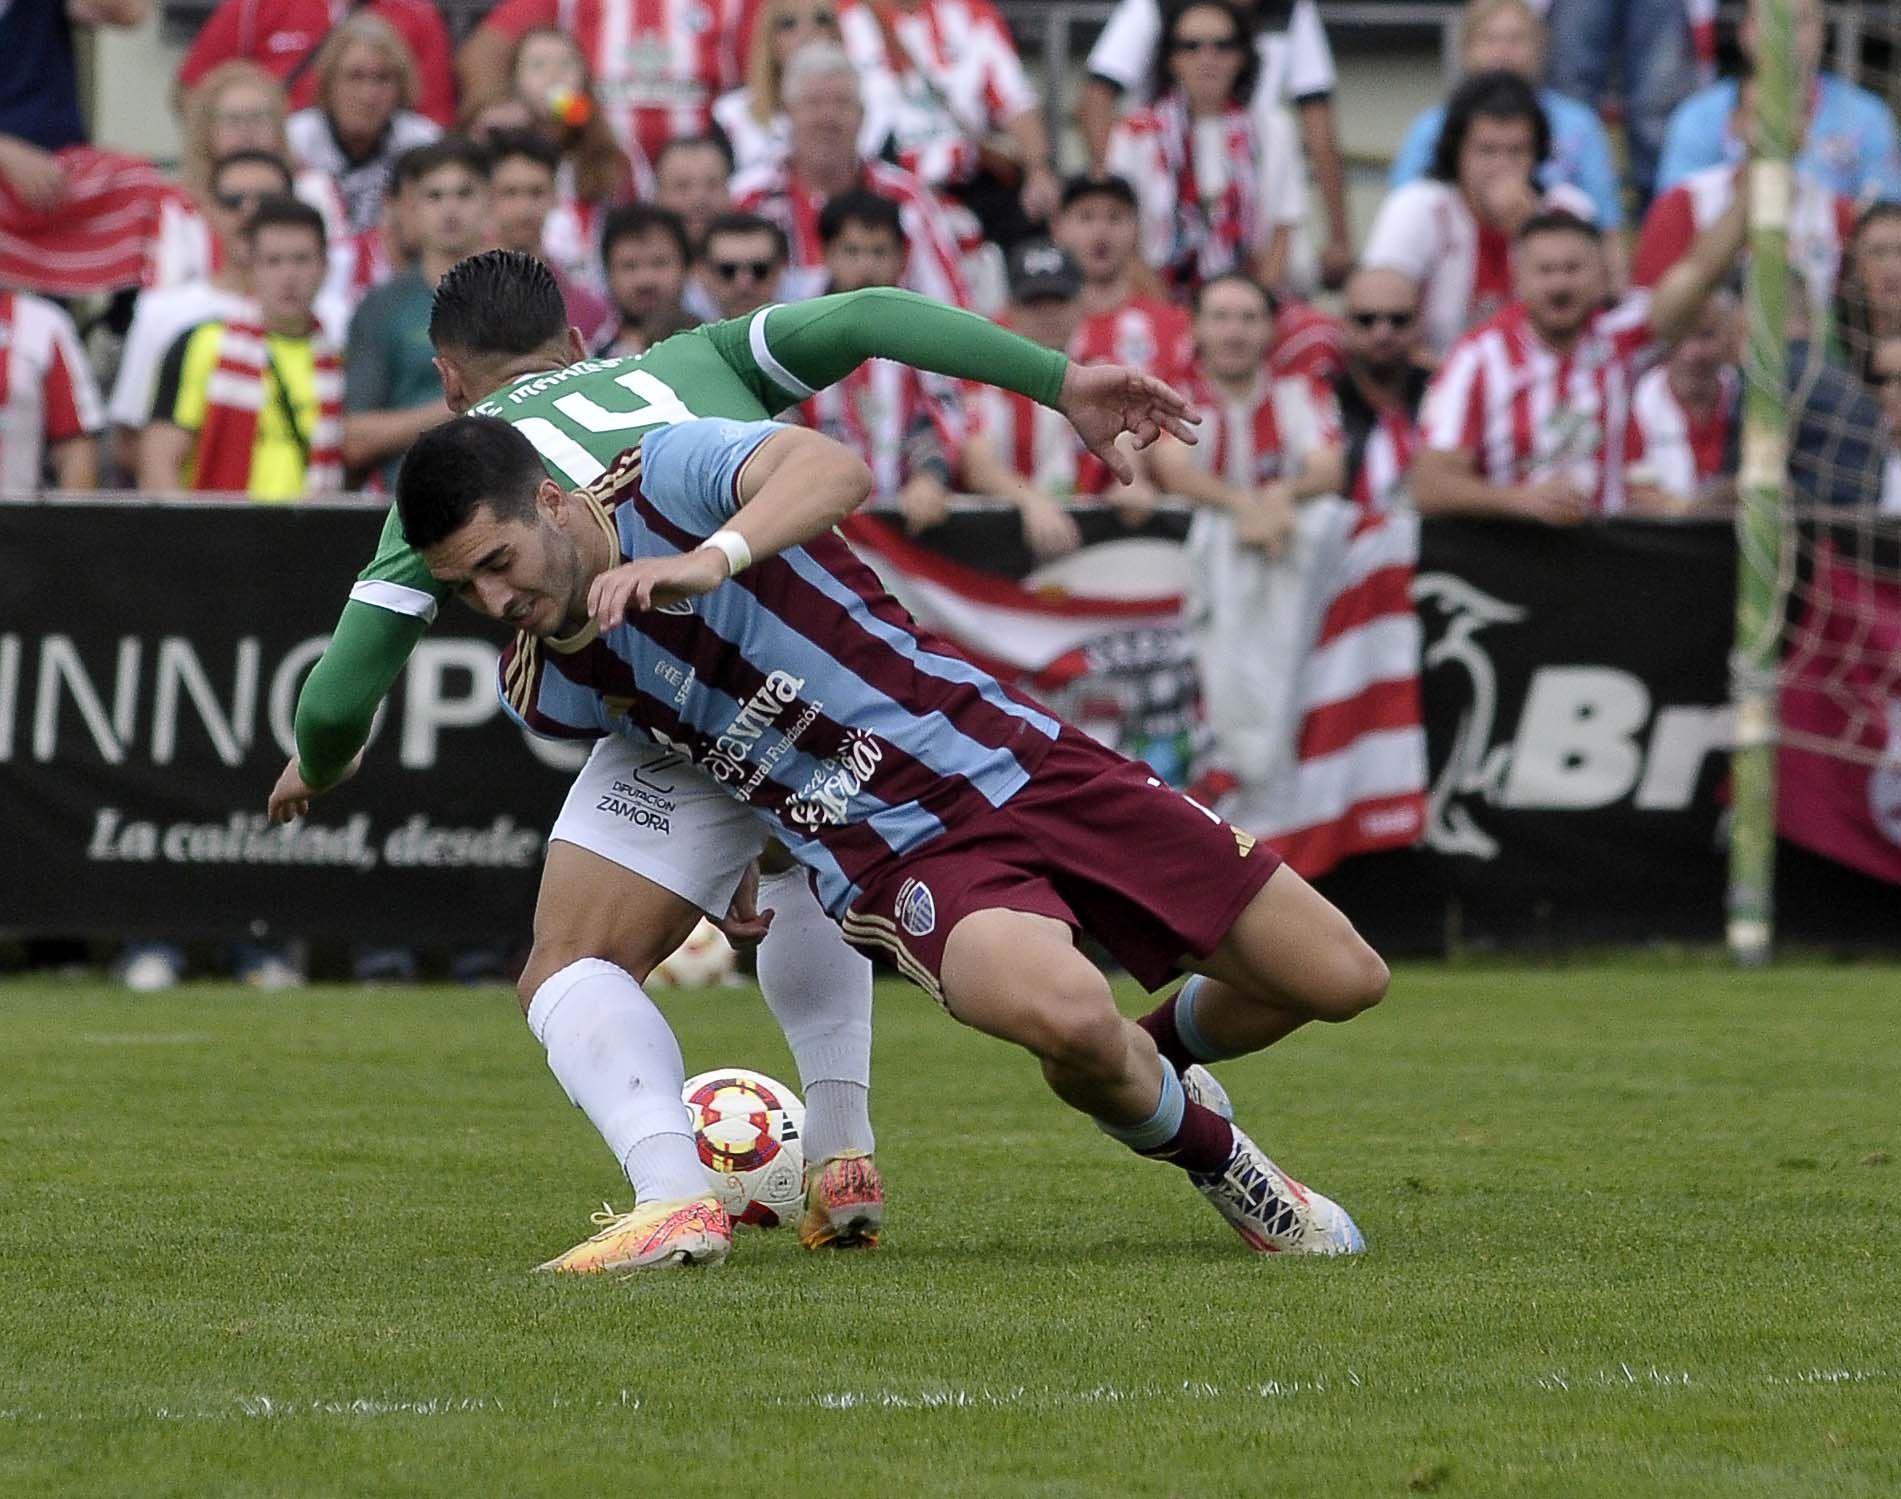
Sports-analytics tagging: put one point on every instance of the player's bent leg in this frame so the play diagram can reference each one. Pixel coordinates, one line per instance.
(592, 907)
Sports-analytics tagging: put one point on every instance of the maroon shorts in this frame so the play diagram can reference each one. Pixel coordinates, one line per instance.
(1093, 840)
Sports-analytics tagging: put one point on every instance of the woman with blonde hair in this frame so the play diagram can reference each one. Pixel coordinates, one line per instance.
(754, 117)
(364, 117)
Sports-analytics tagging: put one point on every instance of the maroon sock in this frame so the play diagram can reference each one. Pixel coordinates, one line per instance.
(1160, 1024)
(1203, 1143)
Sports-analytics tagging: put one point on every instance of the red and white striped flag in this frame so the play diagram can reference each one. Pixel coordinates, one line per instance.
(95, 238)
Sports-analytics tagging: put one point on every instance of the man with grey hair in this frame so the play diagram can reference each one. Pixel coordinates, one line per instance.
(824, 109)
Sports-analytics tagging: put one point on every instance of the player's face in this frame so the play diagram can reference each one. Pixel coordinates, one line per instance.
(1100, 231)
(646, 275)
(287, 268)
(521, 193)
(1886, 371)
(1495, 150)
(825, 118)
(691, 180)
(365, 92)
(1508, 38)
(447, 211)
(863, 256)
(1233, 330)
(1560, 280)
(244, 117)
(527, 574)
(1382, 320)
(741, 271)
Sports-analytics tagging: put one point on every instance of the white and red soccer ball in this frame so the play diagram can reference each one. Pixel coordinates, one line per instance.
(750, 1132)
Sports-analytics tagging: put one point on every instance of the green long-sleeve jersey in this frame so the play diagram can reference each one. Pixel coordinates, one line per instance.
(749, 368)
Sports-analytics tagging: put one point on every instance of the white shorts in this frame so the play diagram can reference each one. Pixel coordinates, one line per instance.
(653, 811)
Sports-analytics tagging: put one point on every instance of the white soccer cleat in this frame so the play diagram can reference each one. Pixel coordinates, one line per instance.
(1202, 1088)
(655, 1237)
(1272, 1211)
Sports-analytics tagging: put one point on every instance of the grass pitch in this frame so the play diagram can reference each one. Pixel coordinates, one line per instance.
(1632, 1228)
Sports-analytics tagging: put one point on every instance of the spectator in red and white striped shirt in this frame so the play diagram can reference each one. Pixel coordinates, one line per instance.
(1379, 393)
(1681, 449)
(1529, 414)
(903, 423)
(49, 405)
(825, 112)
(1265, 443)
(1125, 321)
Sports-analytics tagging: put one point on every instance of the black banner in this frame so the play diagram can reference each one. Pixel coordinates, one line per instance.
(150, 657)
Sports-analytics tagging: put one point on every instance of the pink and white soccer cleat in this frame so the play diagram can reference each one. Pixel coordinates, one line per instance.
(652, 1237)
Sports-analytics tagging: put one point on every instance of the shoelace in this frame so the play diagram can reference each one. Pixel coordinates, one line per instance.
(1259, 1187)
(607, 1220)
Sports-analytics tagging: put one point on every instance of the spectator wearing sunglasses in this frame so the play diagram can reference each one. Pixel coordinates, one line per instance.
(1219, 191)
(741, 262)
(238, 183)
(1380, 391)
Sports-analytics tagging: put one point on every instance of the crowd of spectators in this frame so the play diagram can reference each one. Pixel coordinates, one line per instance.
(1500, 344)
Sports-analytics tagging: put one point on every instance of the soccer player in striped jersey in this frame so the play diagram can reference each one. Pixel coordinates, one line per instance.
(645, 841)
(950, 826)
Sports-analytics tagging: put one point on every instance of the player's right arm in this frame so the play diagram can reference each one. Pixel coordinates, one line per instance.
(393, 601)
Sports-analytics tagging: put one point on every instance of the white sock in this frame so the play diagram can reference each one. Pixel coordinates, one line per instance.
(818, 988)
(618, 1060)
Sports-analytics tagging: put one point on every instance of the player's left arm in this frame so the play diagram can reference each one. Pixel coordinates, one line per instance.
(753, 489)
(787, 353)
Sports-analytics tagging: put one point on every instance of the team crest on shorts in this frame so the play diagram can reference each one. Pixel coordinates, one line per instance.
(916, 911)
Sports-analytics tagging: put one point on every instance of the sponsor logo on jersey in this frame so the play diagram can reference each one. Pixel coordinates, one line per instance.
(916, 910)
(826, 799)
(726, 760)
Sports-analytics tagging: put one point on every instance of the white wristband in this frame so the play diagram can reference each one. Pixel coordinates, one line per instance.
(732, 546)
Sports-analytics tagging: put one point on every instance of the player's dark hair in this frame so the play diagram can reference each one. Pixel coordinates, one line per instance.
(866, 209)
(465, 465)
(1498, 94)
(712, 138)
(282, 211)
(1234, 278)
(638, 220)
(445, 151)
(498, 302)
(1558, 221)
(1244, 81)
(508, 145)
(747, 223)
(251, 157)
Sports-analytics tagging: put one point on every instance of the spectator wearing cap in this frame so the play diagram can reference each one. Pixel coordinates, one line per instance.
(1508, 34)
(1217, 189)
(1017, 450)
(904, 423)
(647, 257)
(393, 389)
(822, 160)
(1452, 231)
(1125, 319)
(523, 189)
(742, 263)
(1293, 66)
(1379, 392)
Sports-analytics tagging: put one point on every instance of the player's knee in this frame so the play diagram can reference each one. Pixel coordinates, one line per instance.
(1086, 1036)
(637, 956)
(1356, 979)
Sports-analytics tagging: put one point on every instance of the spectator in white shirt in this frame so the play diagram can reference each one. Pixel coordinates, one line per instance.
(753, 115)
(1296, 67)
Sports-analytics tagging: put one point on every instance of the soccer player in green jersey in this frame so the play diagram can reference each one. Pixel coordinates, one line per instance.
(645, 841)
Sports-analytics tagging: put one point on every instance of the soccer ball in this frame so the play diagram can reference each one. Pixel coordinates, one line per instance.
(706, 960)
(750, 1132)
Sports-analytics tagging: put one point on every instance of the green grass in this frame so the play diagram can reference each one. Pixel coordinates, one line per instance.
(1632, 1228)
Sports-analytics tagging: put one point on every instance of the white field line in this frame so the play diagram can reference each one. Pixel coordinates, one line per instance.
(1623, 1378)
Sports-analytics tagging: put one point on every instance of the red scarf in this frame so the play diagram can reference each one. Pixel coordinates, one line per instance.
(1217, 237)
(236, 395)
